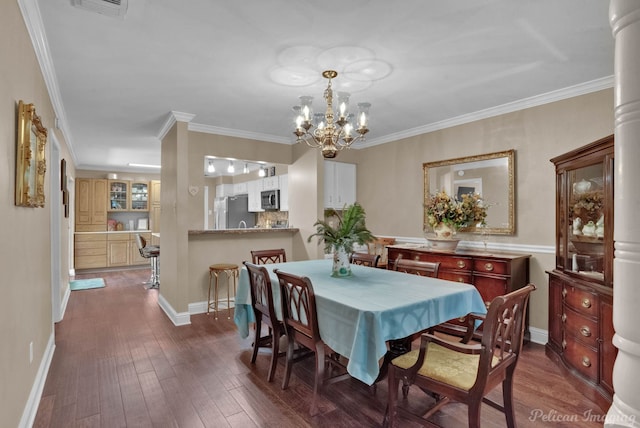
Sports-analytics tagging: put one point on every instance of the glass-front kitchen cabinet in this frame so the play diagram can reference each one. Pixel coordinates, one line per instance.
(126, 195)
(581, 285)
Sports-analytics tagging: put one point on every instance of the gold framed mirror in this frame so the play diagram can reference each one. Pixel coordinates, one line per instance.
(490, 175)
(31, 163)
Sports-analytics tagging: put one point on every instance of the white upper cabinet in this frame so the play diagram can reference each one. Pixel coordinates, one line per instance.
(339, 184)
(284, 192)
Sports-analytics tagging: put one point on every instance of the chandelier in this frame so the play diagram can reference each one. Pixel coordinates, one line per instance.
(331, 131)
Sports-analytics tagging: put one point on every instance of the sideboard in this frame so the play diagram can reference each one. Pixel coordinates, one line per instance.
(492, 273)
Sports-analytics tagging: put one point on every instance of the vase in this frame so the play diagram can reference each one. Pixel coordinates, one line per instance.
(445, 238)
(341, 263)
(444, 230)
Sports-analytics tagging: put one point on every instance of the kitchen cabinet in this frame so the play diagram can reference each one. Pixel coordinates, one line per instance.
(91, 204)
(284, 192)
(139, 196)
(339, 184)
(581, 285)
(253, 189)
(492, 274)
(108, 249)
(240, 188)
(90, 250)
(224, 190)
(154, 209)
(271, 183)
(125, 195)
(117, 249)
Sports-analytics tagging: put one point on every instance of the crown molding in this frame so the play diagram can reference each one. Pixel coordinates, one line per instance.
(198, 127)
(33, 21)
(174, 116)
(538, 100)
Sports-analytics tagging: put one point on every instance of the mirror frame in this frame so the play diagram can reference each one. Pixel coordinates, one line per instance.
(510, 155)
(31, 163)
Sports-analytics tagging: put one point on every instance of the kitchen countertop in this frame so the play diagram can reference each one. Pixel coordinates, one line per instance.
(242, 231)
(112, 231)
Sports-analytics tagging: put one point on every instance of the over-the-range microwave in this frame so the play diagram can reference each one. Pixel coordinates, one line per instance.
(270, 199)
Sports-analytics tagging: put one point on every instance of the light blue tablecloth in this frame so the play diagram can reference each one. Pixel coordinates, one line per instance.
(357, 315)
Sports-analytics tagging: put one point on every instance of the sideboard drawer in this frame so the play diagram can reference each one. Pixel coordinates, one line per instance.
(491, 266)
(464, 277)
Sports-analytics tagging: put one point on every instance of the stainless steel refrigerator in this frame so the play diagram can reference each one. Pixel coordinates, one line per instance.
(233, 212)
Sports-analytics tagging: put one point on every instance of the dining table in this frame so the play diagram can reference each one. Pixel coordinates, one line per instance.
(359, 314)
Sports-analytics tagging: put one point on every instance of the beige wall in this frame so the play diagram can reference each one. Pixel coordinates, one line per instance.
(25, 253)
(390, 181)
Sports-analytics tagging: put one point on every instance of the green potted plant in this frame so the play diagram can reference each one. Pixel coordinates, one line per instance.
(340, 238)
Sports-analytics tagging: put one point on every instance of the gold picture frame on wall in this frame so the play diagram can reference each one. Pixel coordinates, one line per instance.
(31, 163)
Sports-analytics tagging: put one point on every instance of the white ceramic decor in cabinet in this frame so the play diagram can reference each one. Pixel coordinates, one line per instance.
(284, 192)
(253, 189)
(339, 184)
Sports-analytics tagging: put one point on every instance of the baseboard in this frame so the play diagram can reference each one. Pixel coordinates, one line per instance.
(201, 307)
(538, 335)
(33, 402)
(176, 318)
(65, 301)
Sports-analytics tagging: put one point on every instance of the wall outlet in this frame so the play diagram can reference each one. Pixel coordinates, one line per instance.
(30, 352)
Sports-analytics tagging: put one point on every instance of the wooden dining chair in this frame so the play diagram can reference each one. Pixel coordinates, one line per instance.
(466, 373)
(264, 312)
(261, 257)
(365, 259)
(300, 320)
(416, 267)
(379, 246)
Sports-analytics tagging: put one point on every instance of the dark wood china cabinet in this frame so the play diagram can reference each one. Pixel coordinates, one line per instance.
(581, 285)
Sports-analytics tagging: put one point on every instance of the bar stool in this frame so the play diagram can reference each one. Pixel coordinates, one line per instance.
(232, 271)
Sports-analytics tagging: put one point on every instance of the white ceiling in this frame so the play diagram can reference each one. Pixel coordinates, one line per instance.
(239, 66)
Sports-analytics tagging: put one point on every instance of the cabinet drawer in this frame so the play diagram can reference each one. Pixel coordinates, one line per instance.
(580, 327)
(456, 276)
(490, 287)
(446, 262)
(118, 236)
(582, 301)
(88, 262)
(582, 358)
(91, 237)
(499, 267)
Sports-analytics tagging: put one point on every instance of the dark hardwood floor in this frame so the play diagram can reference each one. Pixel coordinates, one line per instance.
(120, 362)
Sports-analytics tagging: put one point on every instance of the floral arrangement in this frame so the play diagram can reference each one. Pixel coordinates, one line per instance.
(588, 206)
(442, 208)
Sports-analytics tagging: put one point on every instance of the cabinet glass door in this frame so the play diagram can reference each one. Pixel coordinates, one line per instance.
(140, 196)
(586, 225)
(118, 193)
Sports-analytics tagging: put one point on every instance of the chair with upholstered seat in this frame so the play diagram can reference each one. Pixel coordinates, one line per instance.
(365, 259)
(265, 313)
(151, 252)
(416, 267)
(466, 373)
(261, 257)
(301, 327)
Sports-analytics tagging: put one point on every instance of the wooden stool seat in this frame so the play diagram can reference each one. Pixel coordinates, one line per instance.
(232, 271)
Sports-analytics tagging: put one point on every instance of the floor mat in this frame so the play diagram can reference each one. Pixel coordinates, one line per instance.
(85, 284)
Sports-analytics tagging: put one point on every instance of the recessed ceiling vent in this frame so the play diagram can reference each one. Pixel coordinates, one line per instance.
(114, 8)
